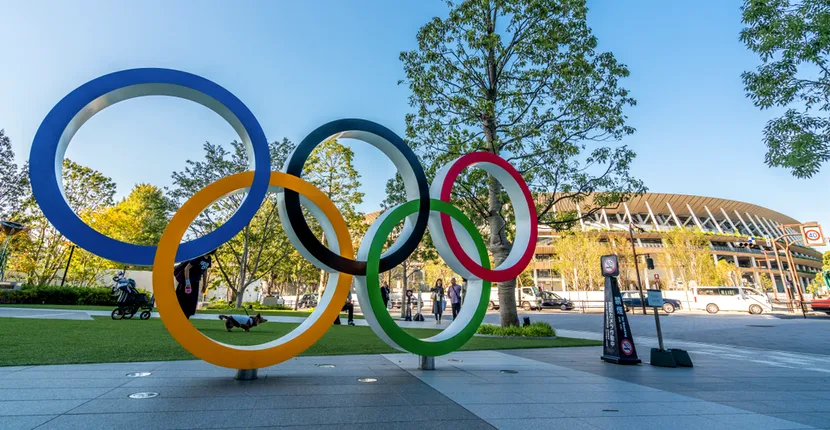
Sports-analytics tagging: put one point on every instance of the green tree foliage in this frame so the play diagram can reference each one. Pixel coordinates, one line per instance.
(791, 38)
(139, 218)
(521, 79)
(576, 257)
(330, 168)
(11, 181)
(43, 251)
(687, 253)
(261, 245)
(425, 256)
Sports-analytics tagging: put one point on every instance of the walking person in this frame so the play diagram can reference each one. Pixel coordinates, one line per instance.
(455, 298)
(438, 300)
(349, 308)
(384, 294)
(188, 275)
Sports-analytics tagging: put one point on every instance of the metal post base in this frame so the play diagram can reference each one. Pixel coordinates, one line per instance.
(246, 375)
(426, 363)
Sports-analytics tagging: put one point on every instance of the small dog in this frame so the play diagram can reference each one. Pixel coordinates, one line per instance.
(242, 321)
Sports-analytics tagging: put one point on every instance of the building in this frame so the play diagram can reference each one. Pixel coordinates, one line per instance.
(726, 223)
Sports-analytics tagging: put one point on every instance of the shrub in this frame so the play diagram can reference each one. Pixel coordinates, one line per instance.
(223, 305)
(55, 295)
(219, 304)
(537, 329)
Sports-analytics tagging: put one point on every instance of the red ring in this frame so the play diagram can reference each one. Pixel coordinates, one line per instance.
(493, 275)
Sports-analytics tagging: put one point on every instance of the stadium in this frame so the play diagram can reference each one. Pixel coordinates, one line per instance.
(727, 224)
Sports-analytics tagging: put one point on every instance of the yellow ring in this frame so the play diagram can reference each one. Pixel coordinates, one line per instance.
(245, 357)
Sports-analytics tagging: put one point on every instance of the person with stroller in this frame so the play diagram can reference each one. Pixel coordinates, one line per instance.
(438, 302)
(189, 274)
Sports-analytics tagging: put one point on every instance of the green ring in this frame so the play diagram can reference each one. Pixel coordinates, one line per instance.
(397, 334)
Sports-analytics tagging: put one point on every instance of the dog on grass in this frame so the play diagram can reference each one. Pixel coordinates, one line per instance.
(244, 322)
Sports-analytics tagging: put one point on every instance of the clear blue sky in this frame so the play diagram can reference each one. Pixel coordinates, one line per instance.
(299, 64)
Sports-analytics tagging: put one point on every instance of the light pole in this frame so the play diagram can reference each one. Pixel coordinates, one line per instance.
(636, 265)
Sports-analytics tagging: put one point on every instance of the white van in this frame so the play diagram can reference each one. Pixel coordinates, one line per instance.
(527, 298)
(744, 299)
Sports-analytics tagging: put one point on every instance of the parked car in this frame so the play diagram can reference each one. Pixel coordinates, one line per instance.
(527, 298)
(821, 305)
(551, 300)
(631, 300)
(308, 301)
(395, 300)
(714, 299)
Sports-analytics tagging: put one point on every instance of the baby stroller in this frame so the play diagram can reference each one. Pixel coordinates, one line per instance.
(130, 300)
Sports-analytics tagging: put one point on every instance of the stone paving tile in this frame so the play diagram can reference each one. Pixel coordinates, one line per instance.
(541, 423)
(48, 393)
(150, 420)
(399, 425)
(689, 422)
(616, 409)
(756, 421)
(162, 404)
(38, 407)
(60, 383)
(23, 422)
(329, 401)
(67, 374)
(468, 398)
(9, 369)
(819, 420)
(356, 415)
(516, 411)
(784, 406)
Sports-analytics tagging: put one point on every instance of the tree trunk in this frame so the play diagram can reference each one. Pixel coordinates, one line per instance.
(499, 245)
(242, 270)
(403, 290)
(322, 284)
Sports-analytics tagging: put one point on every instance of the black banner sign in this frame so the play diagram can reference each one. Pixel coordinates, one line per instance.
(619, 343)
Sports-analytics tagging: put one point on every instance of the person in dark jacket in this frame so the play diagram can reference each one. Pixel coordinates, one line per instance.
(455, 298)
(438, 302)
(384, 293)
(189, 275)
(349, 308)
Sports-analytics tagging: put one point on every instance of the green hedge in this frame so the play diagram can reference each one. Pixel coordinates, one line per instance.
(221, 304)
(537, 329)
(53, 295)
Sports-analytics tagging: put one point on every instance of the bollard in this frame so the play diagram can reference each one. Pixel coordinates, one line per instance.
(246, 374)
(426, 363)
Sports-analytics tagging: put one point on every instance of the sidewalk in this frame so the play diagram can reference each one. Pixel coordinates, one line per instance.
(551, 388)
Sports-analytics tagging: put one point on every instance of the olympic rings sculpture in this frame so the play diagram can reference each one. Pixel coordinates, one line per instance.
(456, 238)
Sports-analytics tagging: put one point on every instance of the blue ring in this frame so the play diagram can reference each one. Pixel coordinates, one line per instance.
(76, 108)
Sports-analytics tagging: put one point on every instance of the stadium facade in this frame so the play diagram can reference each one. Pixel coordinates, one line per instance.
(726, 223)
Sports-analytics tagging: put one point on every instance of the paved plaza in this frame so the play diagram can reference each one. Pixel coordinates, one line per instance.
(732, 386)
(552, 388)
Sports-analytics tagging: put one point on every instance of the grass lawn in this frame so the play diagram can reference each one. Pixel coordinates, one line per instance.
(286, 313)
(31, 342)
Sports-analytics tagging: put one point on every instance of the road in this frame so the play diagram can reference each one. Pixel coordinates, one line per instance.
(770, 332)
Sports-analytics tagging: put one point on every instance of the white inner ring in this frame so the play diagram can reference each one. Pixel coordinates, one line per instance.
(472, 298)
(410, 184)
(140, 90)
(521, 210)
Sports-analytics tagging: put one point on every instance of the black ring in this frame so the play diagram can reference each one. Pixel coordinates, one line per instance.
(298, 222)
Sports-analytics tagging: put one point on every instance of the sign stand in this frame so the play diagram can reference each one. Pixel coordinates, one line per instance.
(618, 342)
(661, 356)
